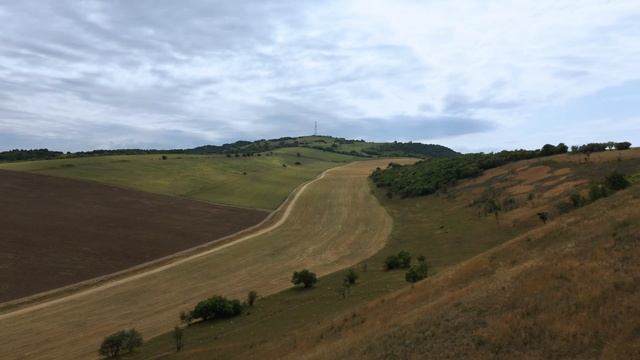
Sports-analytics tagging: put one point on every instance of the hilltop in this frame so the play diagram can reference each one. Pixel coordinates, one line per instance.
(343, 146)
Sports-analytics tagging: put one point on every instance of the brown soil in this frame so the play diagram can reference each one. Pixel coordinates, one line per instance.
(57, 232)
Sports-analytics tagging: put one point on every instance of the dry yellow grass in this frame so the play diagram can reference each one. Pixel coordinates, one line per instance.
(568, 289)
(334, 223)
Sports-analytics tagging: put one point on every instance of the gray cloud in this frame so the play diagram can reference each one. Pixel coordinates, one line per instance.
(162, 73)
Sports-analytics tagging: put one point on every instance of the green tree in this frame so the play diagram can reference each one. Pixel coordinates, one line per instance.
(351, 277)
(623, 145)
(304, 277)
(217, 307)
(251, 297)
(404, 257)
(116, 343)
(577, 200)
(392, 262)
(417, 272)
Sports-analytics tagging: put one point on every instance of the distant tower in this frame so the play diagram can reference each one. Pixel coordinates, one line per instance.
(315, 129)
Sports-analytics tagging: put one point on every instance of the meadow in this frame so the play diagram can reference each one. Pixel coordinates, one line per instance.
(449, 229)
(247, 181)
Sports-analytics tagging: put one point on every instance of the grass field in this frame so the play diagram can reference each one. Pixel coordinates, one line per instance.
(448, 229)
(257, 181)
(335, 223)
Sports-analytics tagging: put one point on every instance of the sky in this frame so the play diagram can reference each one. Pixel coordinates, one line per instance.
(472, 75)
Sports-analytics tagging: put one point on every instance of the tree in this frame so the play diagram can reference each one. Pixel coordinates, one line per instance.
(543, 216)
(178, 335)
(298, 154)
(351, 277)
(404, 258)
(616, 181)
(305, 277)
(625, 145)
(217, 307)
(492, 207)
(124, 340)
(251, 297)
(417, 272)
(597, 191)
(164, 157)
(391, 262)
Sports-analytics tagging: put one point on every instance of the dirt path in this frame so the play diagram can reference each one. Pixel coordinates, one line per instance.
(331, 223)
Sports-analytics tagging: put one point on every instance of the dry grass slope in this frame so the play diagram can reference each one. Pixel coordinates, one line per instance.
(569, 289)
(335, 222)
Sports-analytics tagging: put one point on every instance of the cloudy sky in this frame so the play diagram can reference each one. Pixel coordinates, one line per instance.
(473, 75)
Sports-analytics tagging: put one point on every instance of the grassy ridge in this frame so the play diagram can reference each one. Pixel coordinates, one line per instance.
(252, 181)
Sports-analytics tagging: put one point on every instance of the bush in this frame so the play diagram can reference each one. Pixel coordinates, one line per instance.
(119, 342)
(217, 307)
(405, 259)
(577, 200)
(597, 191)
(305, 277)
(400, 261)
(417, 272)
(251, 297)
(616, 181)
(392, 262)
(351, 277)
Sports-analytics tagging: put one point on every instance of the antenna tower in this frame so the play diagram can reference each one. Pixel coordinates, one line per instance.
(315, 129)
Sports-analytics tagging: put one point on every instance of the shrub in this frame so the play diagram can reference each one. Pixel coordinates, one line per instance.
(400, 261)
(251, 297)
(405, 259)
(186, 317)
(577, 200)
(597, 191)
(543, 216)
(351, 277)
(116, 343)
(417, 272)
(392, 262)
(217, 307)
(298, 163)
(304, 277)
(616, 181)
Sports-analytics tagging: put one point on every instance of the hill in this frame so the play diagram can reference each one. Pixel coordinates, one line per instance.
(249, 148)
(470, 254)
(260, 181)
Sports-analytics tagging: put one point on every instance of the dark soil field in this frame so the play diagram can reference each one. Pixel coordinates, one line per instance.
(56, 232)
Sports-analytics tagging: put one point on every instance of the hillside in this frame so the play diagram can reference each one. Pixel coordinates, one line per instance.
(458, 236)
(260, 181)
(567, 289)
(329, 144)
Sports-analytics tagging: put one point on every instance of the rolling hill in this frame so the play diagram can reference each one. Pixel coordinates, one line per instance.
(506, 286)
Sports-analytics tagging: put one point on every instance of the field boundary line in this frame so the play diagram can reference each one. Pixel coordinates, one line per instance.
(59, 295)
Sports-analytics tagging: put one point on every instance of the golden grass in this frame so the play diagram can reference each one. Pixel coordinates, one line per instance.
(569, 289)
(336, 222)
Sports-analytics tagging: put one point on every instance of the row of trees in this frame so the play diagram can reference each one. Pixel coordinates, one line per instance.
(613, 182)
(599, 147)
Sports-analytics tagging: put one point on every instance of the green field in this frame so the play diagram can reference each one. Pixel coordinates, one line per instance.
(256, 181)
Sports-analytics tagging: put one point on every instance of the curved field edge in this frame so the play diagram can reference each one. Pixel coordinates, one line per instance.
(347, 225)
(258, 182)
(274, 219)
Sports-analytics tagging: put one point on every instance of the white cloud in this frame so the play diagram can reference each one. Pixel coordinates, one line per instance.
(220, 71)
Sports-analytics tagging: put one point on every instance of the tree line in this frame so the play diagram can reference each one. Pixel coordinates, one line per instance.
(429, 176)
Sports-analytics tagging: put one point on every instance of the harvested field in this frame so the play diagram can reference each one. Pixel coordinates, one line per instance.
(333, 223)
(57, 231)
